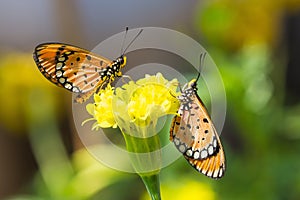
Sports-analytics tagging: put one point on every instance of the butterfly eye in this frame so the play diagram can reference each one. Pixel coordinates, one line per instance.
(193, 84)
(120, 60)
(123, 60)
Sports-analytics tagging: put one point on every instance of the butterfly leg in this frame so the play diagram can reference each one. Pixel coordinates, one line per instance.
(126, 76)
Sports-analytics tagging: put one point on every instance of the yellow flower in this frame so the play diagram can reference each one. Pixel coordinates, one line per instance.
(148, 99)
(101, 110)
(135, 108)
(140, 103)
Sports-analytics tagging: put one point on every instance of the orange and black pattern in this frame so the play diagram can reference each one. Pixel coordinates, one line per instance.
(195, 136)
(76, 69)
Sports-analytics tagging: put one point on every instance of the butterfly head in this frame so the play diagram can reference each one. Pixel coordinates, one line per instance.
(122, 60)
(188, 91)
(193, 84)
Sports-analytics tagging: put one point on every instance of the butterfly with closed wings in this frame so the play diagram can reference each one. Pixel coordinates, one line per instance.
(194, 134)
(76, 69)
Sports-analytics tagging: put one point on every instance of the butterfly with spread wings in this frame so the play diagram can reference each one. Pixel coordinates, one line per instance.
(76, 69)
(194, 134)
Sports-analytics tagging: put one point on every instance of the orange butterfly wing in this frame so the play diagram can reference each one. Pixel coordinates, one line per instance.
(194, 135)
(213, 166)
(71, 67)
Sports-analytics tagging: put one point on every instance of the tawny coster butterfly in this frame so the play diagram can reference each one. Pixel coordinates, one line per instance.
(76, 69)
(194, 134)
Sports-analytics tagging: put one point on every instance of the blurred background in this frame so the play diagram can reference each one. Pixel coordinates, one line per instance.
(256, 46)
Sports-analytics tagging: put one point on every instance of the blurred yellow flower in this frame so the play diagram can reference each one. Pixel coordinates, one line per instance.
(186, 189)
(233, 24)
(20, 82)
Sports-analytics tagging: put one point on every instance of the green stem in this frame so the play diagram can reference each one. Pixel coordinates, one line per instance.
(145, 156)
(145, 153)
(152, 184)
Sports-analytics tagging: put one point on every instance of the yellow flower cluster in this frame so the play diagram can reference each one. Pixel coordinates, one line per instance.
(140, 102)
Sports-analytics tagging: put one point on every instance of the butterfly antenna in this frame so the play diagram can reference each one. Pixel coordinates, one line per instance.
(202, 58)
(126, 30)
(132, 41)
(180, 88)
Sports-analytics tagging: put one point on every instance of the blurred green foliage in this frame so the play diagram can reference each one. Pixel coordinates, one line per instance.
(261, 135)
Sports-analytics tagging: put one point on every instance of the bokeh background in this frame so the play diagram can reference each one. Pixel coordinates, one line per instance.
(256, 46)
